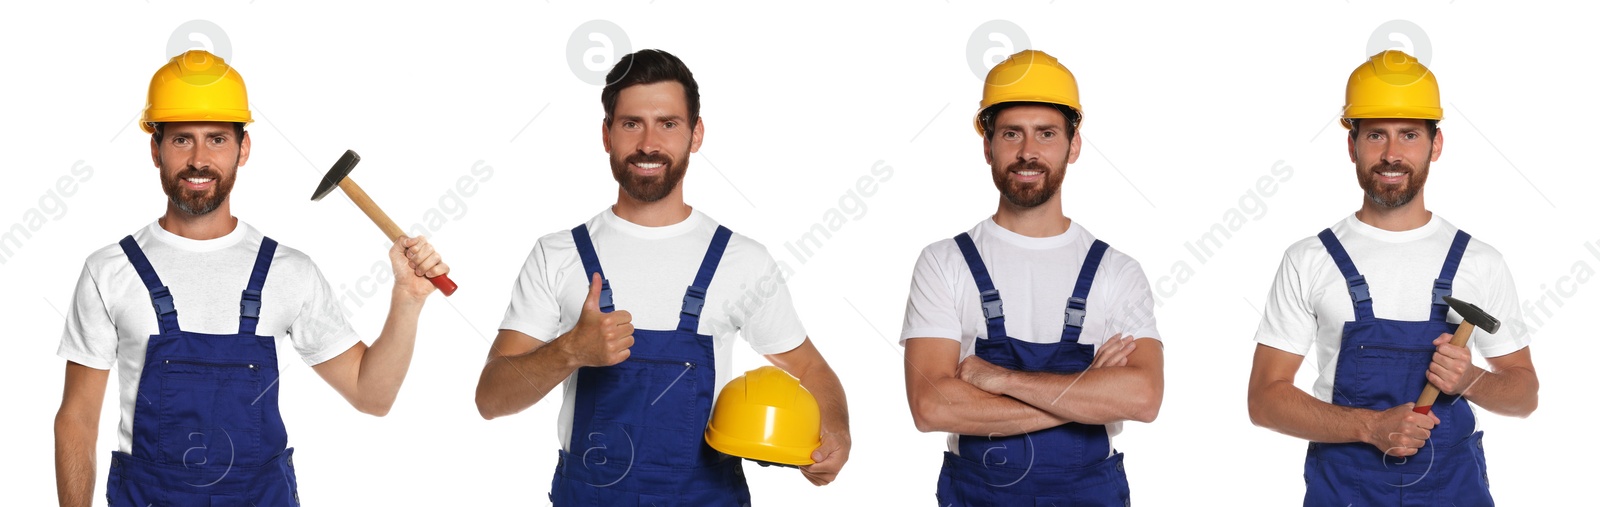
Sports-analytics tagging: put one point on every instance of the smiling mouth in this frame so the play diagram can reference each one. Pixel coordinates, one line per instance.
(1392, 177)
(648, 168)
(198, 183)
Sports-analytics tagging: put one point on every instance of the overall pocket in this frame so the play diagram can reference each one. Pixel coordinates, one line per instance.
(209, 413)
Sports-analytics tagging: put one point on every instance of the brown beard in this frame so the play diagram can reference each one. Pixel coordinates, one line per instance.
(649, 188)
(196, 203)
(1023, 195)
(1393, 196)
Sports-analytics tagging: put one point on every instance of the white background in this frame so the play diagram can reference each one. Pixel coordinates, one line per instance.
(1187, 105)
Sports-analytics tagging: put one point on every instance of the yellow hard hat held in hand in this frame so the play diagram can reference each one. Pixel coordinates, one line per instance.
(1392, 84)
(766, 416)
(195, 86)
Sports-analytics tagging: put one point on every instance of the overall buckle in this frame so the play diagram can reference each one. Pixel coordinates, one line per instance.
(1076, 311)
(992, 308)
(1358, 289)
(162, 298)
(694, 301)
(605, 295)
(1441, 288)
(250, 303)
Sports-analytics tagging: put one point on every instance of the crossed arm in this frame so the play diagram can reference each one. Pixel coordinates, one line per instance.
(975, 397)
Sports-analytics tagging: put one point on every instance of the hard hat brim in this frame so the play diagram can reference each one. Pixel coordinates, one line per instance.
(733, 446)
(977, 119)
(1382, 112)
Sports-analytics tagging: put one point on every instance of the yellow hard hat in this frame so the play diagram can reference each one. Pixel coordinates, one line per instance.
(195, 86)
(1028, 76)
(1392, 84)
(766, 415)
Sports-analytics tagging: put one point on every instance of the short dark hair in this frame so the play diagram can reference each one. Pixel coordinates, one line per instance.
(1433, 127)
(159, 128)
(988, 116)
(650, 66)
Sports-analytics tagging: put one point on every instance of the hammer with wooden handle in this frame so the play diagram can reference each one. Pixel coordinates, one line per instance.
(1471, 316)
(339, 177)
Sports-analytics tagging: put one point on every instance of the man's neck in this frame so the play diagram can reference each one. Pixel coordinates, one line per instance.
(218, 223)
(660, 213)
(1042, 221)
(1404, 218)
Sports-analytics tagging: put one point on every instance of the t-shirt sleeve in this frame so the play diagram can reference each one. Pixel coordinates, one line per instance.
(772, 325)
(320, 332)
(1288, 322)
(534, 309)
(90, 338)
(1499, 295)
(931, 311)
(1135, 306)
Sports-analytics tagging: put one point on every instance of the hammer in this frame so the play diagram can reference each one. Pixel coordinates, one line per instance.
(1471, 316)
(339, 176)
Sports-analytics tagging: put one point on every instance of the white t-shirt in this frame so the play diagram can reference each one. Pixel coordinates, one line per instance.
(649, 269)
(1035, 277)
(111, 318)
(1310, 302)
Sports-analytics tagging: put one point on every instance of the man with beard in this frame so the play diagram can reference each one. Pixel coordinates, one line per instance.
(200, 422)
(1030, 388)
(636, 402)
(1365, 296)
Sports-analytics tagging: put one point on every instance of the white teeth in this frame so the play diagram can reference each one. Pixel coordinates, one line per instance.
(198, 181)
(1029, 173)
(1392, 175)
(648, 165)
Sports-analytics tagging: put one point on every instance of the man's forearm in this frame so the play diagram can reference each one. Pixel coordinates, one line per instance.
(952, 405)
(1284, 408)
(75, 464)
(825, 386)
(1510, 392)
(1098, 396)
(384, 365)
(511, 384)
(1102, 394)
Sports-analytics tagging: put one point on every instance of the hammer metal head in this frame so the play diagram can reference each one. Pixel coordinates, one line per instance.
(340, 171)
(1471, 313)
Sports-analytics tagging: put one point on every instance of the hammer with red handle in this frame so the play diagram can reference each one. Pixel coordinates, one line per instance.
(1471, 316)
(339, 177)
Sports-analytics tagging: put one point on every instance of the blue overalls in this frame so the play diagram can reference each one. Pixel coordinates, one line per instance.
(1381, 365)
(638, 426)
(206, 430)
(1066, 465)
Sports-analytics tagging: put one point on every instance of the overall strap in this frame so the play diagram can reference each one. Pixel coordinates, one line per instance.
(591, 265)
(250, 301)
(1447, 275)
(694, 300)
(993, 310)
(1352, 278)
(1078, 303)
(166, 313)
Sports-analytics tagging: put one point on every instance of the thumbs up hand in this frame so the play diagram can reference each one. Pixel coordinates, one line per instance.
(599, 338)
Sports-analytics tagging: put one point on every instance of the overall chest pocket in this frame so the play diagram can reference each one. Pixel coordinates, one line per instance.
(210, 415)
(1381, 376)
(652, 393)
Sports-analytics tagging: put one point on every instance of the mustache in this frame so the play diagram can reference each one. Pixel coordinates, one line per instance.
(1397, 166)
(1027, 165)
(194, 172)
(642, 158)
